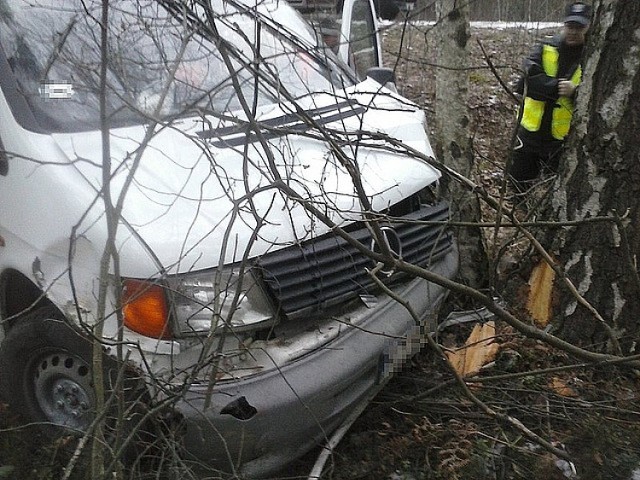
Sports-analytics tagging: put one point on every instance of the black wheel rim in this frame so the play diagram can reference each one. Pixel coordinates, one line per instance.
(63, 390)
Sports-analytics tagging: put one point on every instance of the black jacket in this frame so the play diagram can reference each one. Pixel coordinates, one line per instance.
(540, 86)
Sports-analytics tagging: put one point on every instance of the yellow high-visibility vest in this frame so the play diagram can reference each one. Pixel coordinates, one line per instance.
(563, 108)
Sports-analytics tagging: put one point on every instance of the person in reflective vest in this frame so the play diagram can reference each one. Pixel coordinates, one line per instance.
(552, 73)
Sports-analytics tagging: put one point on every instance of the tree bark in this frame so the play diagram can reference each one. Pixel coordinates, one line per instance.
(453, 141)
(600, 176)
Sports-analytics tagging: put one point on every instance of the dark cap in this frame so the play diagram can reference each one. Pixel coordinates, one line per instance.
(578, 12)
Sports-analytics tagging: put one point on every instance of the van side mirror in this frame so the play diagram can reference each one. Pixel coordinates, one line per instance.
(4, 160)
(382, 75)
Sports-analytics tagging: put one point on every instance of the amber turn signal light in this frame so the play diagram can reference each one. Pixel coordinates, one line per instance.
(145, 309)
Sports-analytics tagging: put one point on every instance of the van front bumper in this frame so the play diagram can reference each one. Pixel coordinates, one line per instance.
(256, 426)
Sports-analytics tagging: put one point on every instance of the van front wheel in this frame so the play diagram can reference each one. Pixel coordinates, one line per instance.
(46, 374)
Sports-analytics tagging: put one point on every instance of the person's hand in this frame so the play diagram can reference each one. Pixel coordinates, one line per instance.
(566, 88)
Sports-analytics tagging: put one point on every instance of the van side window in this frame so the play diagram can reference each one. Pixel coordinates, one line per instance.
(362, 41)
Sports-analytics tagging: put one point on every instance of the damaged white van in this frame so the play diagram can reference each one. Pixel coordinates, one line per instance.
(213, 198)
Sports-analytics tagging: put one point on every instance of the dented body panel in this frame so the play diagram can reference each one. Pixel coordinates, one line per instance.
(257, 234)
(289, 410)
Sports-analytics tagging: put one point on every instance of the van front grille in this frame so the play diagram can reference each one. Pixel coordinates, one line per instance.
(309, 278)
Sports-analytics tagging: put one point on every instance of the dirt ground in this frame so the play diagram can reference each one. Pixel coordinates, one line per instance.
(421, 426)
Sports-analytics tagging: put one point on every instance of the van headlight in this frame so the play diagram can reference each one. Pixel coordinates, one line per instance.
(216, 299)
(198, 303)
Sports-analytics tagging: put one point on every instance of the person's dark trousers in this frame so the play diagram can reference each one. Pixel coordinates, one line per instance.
(528, 159)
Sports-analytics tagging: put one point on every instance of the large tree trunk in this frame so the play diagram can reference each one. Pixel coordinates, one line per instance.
(453, 141)
(600, 176)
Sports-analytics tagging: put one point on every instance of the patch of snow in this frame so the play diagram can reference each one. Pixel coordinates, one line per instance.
(568, 469)
(401, 476)
(525, 25)
(487, 25)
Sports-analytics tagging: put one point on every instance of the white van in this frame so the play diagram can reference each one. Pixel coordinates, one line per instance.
(262, 196)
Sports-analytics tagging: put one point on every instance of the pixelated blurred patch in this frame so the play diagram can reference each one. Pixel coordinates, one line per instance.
(400, 350)
(56, 91)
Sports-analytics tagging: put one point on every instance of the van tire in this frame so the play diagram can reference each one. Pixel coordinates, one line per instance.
(46, 374)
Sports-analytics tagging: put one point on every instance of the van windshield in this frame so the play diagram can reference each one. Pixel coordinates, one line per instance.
(162, 62)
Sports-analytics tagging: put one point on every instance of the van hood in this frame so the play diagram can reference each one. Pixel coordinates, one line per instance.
(205, 191)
